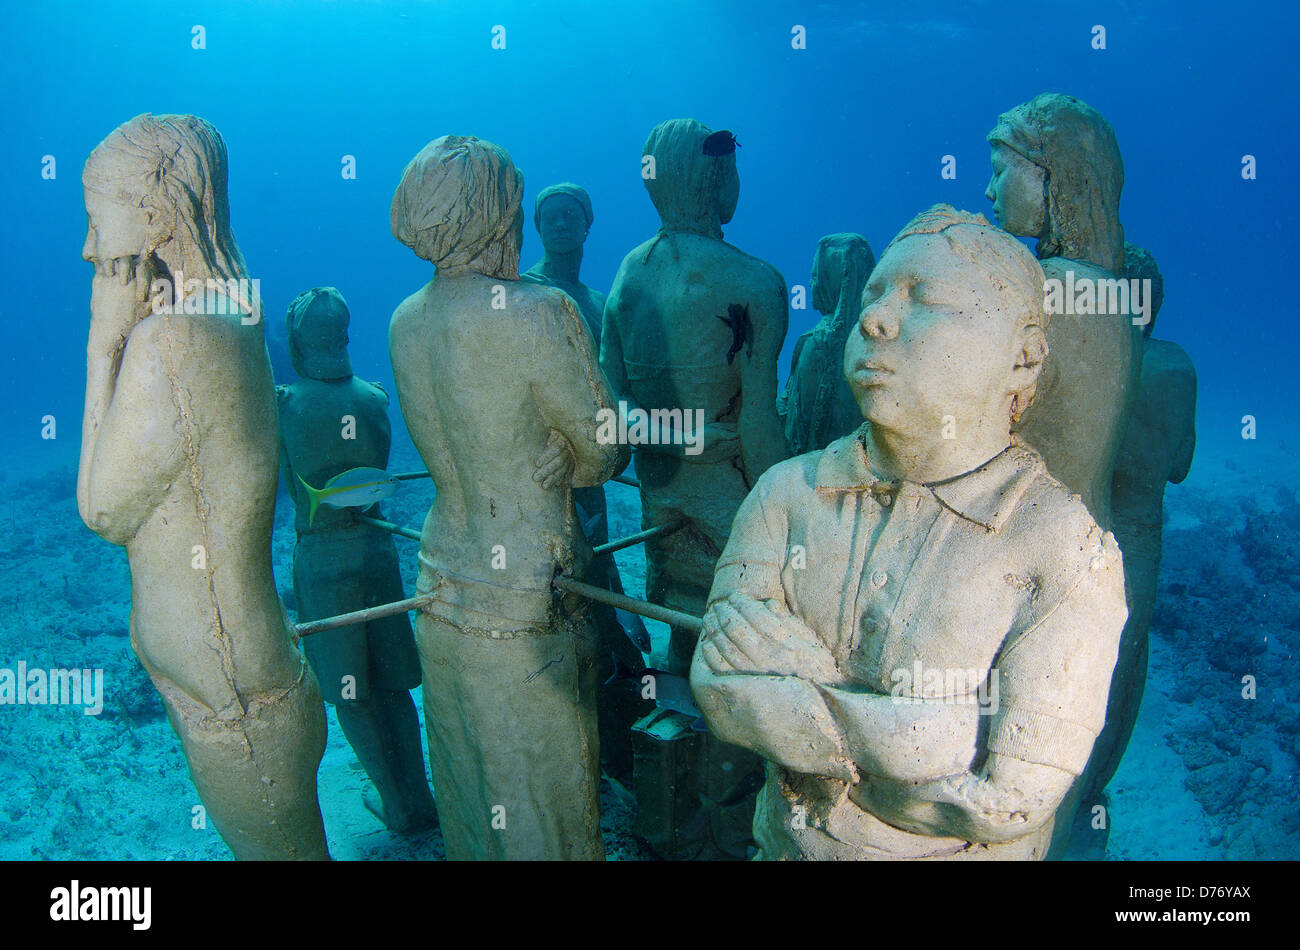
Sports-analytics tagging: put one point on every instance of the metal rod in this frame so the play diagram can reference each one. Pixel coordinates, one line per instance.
(390, 527)
(621, 479)
(361, 616)
(621, 543)
(666, 615)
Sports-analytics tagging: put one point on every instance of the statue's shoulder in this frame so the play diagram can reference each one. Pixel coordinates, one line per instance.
(1167, 358)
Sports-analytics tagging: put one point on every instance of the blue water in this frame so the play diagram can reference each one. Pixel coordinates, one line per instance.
(846, 135)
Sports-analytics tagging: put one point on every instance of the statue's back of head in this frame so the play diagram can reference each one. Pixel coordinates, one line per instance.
(459, 205)
(695, 185)
(843, 266)
(1085, 175)
(317, 324)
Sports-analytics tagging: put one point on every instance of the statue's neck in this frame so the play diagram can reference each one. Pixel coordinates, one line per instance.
(563, 266)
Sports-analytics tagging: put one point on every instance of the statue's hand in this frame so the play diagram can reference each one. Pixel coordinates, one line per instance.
(119, 295)
(556, 463)
(744, 635)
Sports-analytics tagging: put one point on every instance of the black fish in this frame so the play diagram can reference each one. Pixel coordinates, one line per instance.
(720, 143)
(742, 331)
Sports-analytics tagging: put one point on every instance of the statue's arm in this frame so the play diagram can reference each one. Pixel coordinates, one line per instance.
(571, 390)
(1184, 399)
(611, 343)
(137, 449)
(762, 437)
(1052, 684)
(783, 718)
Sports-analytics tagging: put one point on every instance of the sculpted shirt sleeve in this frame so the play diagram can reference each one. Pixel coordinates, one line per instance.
(1053, 679)
(570, 388)
(782, 718)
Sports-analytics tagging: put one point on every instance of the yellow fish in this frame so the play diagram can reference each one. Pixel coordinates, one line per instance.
(355, 488)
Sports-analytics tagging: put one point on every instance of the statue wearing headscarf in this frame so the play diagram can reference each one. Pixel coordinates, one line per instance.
(693, 326)
(1057, 176)
(178, 464)
(498, 381)
(817, 405)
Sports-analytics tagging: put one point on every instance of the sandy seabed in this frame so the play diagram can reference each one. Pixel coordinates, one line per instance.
(1209, 774)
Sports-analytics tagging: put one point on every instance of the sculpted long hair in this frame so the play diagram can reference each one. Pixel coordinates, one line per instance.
(175, 167)
(1077, 149)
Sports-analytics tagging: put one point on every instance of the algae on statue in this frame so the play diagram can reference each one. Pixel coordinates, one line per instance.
(178, 464)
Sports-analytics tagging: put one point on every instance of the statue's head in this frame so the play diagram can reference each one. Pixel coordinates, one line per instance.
(317, 324)
(840, 270)
(459, 206)
(952, 324)
(1057, 176)
(695, 186)
(157, 184)
(562, 216)
(1140, 264)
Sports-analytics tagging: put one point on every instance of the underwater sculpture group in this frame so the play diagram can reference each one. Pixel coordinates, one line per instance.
(919, 637)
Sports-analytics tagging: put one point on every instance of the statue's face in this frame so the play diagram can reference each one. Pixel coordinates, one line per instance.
(117, 228)
(562, 224)
(934, 339)
(1017, 190)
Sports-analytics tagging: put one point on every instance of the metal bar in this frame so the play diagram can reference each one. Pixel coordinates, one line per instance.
(361, 616)
(666, 615)
(621, 543)
(390, 527)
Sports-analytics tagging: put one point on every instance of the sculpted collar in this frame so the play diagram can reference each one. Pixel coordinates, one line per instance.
(986, 496)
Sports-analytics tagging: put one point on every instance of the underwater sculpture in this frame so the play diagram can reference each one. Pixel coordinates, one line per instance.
(562, 215)
(818, 405)
(1057, 177)
(693, 327)
(498, 381)
(1157, 449)
(178, 464)
(332, 423)
(877, 599)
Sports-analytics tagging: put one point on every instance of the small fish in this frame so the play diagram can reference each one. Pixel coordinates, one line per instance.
(355, 488)
(720, 143)
(742, 330)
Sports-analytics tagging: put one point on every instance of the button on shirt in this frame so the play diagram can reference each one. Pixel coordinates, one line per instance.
(997, 575)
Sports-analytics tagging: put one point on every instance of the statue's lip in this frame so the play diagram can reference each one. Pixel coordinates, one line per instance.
(871, 366)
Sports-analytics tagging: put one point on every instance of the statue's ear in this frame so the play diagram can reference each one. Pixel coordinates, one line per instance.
(1031, 352)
